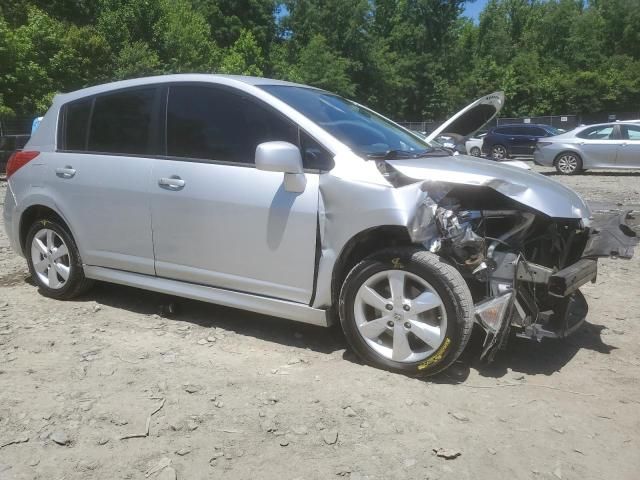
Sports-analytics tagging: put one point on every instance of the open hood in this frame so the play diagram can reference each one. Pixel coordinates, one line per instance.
(472, 117)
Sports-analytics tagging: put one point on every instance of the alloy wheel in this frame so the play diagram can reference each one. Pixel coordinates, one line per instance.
(50, 258)
(499, 152)
(567, 163)
(400, 316)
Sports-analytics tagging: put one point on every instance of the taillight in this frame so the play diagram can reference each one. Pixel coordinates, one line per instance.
(20, 159)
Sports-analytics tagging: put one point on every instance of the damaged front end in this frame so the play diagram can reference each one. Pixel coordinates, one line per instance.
(524, 268)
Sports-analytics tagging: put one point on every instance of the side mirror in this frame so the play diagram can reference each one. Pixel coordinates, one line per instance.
(282, 157)
(279, 157)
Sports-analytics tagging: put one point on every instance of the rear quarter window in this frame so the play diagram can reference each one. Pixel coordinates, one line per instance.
(73, 135)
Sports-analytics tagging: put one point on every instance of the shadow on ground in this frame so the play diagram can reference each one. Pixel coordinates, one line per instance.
(263, 327)
(597, 174)
(521, 355)
(526, 356)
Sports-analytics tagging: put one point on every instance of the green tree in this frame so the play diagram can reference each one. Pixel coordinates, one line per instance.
(319, 67)
(244, 57)
(182, 38)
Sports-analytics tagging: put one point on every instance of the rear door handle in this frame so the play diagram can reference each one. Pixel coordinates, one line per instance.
(173, 182)
(66, 172)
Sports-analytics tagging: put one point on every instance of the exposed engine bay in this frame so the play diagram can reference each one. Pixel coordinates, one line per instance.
(523, 267)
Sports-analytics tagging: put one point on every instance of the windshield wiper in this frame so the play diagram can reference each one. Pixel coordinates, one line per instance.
(397, 154)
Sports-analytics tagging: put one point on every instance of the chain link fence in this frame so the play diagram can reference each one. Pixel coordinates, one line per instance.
(14, 133)
(564, 122)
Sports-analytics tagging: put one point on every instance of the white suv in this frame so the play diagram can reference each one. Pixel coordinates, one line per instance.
(291, 201)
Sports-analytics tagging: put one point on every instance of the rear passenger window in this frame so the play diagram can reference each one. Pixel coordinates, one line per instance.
(597, 133)
(217, 124)
(76, 122)
(122, 122)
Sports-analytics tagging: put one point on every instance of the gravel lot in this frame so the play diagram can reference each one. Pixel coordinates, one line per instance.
(239, 395)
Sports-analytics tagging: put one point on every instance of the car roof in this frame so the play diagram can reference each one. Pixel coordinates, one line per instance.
(230, 80)
(611, 124)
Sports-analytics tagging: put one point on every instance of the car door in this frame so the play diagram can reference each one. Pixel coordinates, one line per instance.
(599, 146)
(533, 135)
(219, 221)
(100, 175)
(521, 140)
(629, 150)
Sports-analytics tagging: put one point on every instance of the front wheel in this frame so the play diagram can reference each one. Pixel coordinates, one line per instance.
(475, 152)
(406, 310)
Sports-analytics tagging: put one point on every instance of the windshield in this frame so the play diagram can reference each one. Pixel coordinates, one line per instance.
(363, 130)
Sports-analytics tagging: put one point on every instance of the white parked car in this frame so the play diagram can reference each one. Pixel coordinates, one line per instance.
(474, 145)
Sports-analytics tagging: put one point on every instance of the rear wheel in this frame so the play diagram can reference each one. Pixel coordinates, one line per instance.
(568, 163)
(499, 152)
(406, 310)
(54, 261)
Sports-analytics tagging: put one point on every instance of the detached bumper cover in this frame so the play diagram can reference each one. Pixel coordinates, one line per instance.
(612, 235)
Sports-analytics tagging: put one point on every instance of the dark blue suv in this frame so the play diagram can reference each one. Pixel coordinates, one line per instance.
(515, 140)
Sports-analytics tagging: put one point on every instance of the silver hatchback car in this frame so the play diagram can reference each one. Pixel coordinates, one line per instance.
(291, 201)
(606, 145)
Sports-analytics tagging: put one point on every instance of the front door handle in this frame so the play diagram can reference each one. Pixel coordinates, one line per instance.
(173, 182)
(66, 172)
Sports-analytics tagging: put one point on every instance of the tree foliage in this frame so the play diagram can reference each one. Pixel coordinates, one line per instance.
(410, 59)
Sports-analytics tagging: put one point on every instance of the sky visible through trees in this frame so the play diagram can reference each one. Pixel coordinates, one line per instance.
(412, 60)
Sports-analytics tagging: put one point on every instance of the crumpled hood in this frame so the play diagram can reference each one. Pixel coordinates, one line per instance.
(524, 186)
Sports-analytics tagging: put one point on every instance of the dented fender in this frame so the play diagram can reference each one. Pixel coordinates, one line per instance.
(348, 206)
(525, 187)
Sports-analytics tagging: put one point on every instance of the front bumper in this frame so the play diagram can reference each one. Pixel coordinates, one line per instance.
(565, 308)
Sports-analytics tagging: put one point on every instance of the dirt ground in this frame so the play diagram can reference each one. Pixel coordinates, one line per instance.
(239, 395)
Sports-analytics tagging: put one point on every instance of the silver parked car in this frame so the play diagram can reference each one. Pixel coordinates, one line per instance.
(291, 201)
(606, 145)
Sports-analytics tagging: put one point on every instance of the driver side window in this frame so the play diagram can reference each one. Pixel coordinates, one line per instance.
(217, 124)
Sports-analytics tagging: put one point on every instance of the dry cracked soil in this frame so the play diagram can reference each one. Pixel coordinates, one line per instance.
(207, 392)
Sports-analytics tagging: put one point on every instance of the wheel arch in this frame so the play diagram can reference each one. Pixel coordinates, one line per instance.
(360, 246)
(568, 150)
(33, 213)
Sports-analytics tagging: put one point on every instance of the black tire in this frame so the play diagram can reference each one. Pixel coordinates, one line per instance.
(445, 280)
(569, 158)
(475, 152)
(499, 152)
(77, 283)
